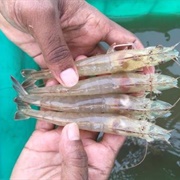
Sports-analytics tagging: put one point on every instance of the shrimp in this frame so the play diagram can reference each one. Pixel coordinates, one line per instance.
(126, 60)
(107, 123)
(115, 83)
(137, 107)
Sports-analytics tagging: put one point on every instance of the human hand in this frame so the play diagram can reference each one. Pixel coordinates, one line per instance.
(54, 32)
(61, 154)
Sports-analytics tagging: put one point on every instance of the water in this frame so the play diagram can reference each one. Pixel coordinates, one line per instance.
(162, 160)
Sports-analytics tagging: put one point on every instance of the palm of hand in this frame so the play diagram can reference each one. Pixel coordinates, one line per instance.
(40, 157)
(45, 153)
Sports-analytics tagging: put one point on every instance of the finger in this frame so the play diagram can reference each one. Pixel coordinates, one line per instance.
(80, 57)
(88, 135)
(113, 143)
(106, 151)
(43, 126)
(58, 57)
(47, 32)
(99, 49)
(51, 82)
(119, 35)
(74, 157)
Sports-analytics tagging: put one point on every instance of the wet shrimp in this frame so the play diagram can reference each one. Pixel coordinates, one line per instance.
(137, 107)
(116, 83)
(107, 123)
(126, 60)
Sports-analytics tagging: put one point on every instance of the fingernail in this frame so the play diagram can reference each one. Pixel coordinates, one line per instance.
(69, 77)
(73, 132)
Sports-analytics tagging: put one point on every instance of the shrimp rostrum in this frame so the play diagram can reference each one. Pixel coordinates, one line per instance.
(126, 60)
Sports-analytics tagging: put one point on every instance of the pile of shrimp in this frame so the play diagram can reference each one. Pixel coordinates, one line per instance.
(104, 103)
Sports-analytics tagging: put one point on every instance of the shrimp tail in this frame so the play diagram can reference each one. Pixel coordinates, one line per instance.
(20, 115)
(18, 87)
(27, 73)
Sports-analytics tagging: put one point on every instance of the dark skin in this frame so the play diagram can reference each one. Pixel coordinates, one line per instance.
(55, 33)
(50, 154)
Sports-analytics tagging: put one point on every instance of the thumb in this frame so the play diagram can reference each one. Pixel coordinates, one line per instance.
(48, 33)
(57, 56)
(74, 157)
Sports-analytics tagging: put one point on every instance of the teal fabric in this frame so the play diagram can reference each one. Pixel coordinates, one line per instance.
(13, 135)
(142, 14)
(135, 8)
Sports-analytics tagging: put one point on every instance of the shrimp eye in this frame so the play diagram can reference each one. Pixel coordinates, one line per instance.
(143, 128)
(159, 47)
(151, 51)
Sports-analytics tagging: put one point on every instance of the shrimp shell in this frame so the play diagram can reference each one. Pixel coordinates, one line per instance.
(108, 123)
(136, 107)
(116, 83)
(127, 60)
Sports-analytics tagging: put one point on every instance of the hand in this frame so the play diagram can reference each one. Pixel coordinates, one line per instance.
(54, 32)
(61, 154)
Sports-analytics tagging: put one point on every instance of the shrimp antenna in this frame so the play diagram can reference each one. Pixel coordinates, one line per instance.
(175, 45)
(125, 164)
(175, 103)
(175, 59)
(172, 47)
(145, 153)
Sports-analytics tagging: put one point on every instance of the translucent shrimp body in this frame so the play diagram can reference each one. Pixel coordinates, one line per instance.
(108, 123)
(136, 107)
(116, 83)
(117, 61)
(126, 60)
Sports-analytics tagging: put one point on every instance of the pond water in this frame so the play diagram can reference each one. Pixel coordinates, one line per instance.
(162, 160)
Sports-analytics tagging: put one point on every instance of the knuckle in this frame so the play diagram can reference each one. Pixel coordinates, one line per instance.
(45, 9)
(39, 7)
(27, 12)
(9, 9)
(79, 158)
(58, 55)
